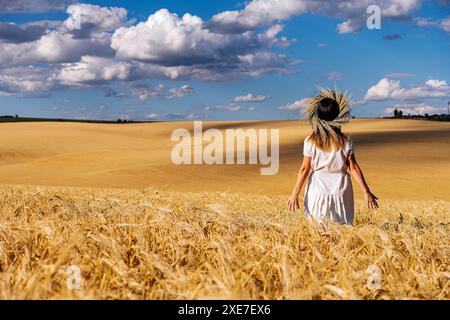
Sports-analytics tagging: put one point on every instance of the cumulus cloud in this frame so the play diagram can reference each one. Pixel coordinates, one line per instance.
(85, 19)
(260, 13)
(13, 33)
(414, 109)
(87, 31)
(298, 105)
(55, 46)
(387, 89)
(27, 80)
(168, 40)
(251, 98)
(182, 48)
(94, 70)
(96, 45)
(35, 6)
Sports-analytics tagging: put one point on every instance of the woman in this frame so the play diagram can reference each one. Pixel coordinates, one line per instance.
(328, 153)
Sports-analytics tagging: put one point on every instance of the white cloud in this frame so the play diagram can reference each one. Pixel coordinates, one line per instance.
(145, 92)
(55, 47)
(387, 89)
(107, 48)
(64, 43)
(232, 45)
(27, 80)
(424, 22)
(414, 109)
(166, 39)
(260, 13)
(229, 107)
(443, 24)
(100, 18)
(94, 69)
(383, 90)
(251, 98)
(181, 92)
(298, 105)
(437, 84)
(153, 116)
(191, 50)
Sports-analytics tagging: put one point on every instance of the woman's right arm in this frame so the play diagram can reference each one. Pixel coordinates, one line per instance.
(303, 174)
(356, 171)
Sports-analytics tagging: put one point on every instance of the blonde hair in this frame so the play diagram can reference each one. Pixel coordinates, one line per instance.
(331, 141)
(327, 112)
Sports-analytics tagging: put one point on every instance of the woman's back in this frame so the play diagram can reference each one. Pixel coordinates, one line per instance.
(329, 193)
(333, 161)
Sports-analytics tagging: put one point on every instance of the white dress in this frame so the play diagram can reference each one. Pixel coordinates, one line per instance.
(329, 192)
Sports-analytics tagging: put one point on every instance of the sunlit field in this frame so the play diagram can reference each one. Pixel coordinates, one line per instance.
(105, 201)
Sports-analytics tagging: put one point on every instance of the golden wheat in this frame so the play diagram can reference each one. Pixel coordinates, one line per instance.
(152, 244)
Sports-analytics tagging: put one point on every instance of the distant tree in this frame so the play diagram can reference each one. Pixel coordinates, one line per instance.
(426, 115)
(119, 120)
(16, 116)
(400, 114)
(396, 113)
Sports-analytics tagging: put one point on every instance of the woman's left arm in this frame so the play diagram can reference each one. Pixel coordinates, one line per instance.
(303, 174)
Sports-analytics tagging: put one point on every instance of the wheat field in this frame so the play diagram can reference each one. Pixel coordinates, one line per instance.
(94, 211)
(151, 244)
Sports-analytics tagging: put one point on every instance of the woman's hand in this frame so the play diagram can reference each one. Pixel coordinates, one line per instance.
(293, 203)
(371, 200)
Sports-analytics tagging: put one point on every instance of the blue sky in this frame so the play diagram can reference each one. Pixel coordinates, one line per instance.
(226, 60)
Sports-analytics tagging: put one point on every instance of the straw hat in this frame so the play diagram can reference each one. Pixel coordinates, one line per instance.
(324, 127)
